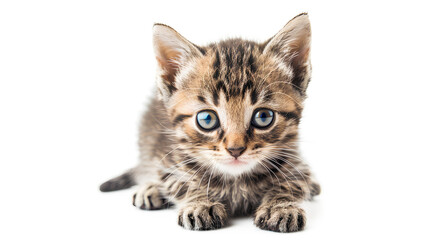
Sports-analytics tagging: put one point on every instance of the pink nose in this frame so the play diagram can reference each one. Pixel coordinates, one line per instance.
(236, 151)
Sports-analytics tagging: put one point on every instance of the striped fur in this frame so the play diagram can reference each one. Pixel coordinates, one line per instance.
(183, 165)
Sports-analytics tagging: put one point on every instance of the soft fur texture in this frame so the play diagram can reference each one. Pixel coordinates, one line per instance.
(184, 165)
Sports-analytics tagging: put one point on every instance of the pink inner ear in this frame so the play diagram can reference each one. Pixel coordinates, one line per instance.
(167, 60)
(303, 51)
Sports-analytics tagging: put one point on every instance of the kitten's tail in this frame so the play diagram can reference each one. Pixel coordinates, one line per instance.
(126, 180)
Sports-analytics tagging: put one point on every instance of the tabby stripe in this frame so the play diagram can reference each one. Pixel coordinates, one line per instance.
(220, 86)
(253, 96)
(202, 99)
(221, 134)
(198, 138)
(273, 135)
(289, 137)
(228, 58)
(180, 118)
(215, 98)
(171, 88)
(216, 65)
(251, 63)
(247, 86)
(181, 191)
(249, 132)
(290, 115)
(165, 176)
(268, 96)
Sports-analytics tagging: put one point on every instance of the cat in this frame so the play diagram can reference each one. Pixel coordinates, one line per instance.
(220, 137)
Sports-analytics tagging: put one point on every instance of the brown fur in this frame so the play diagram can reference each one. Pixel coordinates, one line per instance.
(180, 162)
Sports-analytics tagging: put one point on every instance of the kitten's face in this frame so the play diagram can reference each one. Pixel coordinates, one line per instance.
(235, 116)
(235, 105)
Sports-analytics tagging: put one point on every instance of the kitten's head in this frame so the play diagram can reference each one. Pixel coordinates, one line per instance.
(235, 105)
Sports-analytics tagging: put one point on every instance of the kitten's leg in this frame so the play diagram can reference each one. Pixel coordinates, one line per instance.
(280, 211)
(149, 197)
(197, 211)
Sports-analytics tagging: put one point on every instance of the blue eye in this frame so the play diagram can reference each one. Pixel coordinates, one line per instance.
(262, 118)
(207, 120)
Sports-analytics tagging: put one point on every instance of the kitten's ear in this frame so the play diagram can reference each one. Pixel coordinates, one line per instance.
(292, 45)
(172, 52)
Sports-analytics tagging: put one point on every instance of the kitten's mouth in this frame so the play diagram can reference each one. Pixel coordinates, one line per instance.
(236, 162)
(236, 166)
(240, 161)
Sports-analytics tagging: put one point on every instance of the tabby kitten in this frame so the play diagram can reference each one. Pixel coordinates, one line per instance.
(220, 140)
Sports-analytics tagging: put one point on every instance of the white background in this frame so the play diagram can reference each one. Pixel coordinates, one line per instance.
(75, 77)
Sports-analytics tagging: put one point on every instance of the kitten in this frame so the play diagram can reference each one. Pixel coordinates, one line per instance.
(220, 140)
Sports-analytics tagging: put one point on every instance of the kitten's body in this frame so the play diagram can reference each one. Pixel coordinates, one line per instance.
(192, 167)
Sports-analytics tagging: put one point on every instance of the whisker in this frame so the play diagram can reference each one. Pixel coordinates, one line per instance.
(283, 156)
(208, 185)
(284, 175)
(284, 82)
(272, 179)
(278, 180)
(171, 198)
(178, 166)
(189, 187)
(299, 172)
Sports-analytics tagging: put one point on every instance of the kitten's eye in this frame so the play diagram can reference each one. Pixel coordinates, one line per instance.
(262, 118)
(207, 120)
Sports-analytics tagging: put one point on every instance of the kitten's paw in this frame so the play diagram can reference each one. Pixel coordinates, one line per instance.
(149, 198)
(280, 218)
(202, 216)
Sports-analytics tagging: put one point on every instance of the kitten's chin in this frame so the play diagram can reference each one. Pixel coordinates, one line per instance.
(235, 167)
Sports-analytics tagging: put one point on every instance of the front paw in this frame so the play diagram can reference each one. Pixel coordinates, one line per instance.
(202, 216)
(280, 218)
(149, 198)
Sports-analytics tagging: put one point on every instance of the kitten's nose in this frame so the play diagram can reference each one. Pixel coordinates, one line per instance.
(236, 151)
